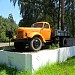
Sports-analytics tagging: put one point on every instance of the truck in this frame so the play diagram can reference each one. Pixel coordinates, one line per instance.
(37, 35)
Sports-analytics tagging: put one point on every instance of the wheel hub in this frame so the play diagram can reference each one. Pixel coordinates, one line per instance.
(36, 43)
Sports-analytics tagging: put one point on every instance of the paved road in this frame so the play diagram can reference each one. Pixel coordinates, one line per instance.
(5, 44)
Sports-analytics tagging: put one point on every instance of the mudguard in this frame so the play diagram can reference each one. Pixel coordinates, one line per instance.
(31, 35)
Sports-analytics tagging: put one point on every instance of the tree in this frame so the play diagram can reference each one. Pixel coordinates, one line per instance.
(70, 16)
(12, 24)
(36, 10)
(29, 9)
(10, 17)
(50, 11)
(4, 26)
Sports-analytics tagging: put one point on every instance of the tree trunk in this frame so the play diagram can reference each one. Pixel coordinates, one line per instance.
(59, 14)
(62, 14)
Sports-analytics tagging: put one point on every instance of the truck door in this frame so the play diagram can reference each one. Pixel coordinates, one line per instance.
(46, 31)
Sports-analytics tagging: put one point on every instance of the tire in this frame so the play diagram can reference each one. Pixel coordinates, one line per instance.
(35, 44)
(19, 46)
(62, 42)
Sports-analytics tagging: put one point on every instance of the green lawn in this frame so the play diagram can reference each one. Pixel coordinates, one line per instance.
(4, 70)
(64, 68)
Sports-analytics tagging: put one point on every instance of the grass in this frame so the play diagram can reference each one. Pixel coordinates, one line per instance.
(64, 68)
(53, 46)
(4, 70)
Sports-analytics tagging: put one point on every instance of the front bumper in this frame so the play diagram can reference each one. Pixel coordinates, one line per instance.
(26, 40)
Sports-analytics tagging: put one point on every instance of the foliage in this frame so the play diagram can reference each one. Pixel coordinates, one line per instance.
(7, 24)
(3, 37)
(36, 10)
(50, 11)
(54, 46)
(70, 15)
(4, 70)
(24, 73)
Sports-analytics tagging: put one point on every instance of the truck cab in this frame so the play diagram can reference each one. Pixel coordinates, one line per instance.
(45, 30)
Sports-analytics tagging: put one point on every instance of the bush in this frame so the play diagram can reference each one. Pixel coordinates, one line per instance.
(3, 37)
(54, 46)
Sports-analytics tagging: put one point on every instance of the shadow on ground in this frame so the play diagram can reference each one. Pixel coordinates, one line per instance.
(12, 49)
(27, 49)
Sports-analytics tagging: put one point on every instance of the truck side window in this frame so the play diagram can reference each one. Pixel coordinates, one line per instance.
(37, 25)
(46, 25)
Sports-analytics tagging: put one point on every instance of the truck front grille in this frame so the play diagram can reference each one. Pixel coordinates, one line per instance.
(20, 34)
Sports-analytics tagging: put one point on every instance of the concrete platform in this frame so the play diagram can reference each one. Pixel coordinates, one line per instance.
(33, 60)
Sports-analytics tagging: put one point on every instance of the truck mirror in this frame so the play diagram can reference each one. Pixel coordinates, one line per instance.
(9, 34)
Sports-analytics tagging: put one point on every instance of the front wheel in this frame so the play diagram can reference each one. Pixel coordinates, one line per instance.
(35, 44)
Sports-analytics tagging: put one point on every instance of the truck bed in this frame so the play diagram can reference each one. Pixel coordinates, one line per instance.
(61, 33)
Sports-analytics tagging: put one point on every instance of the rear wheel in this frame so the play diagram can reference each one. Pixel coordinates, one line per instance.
(35, 44)
(62, 42)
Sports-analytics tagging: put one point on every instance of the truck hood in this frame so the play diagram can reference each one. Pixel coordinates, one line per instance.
(29, 30)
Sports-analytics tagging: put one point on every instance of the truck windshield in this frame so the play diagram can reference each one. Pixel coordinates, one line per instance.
(37, 25)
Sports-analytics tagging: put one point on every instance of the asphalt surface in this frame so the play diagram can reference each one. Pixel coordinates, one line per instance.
(6, 44)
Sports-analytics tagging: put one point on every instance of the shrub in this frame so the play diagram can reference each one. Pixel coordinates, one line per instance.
(4, 38)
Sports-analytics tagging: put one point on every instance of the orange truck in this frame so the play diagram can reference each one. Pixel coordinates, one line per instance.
(38, 34)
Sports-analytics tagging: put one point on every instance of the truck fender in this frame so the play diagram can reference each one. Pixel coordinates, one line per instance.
(31, 35)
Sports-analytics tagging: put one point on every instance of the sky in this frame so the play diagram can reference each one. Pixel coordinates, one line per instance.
(6, 8)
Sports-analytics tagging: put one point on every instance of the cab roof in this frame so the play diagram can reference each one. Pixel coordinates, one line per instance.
(42, 22)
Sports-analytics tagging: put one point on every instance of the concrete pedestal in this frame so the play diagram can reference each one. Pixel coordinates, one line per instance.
(33, 60)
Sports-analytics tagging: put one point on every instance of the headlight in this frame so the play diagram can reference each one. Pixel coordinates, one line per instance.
(25, 34)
